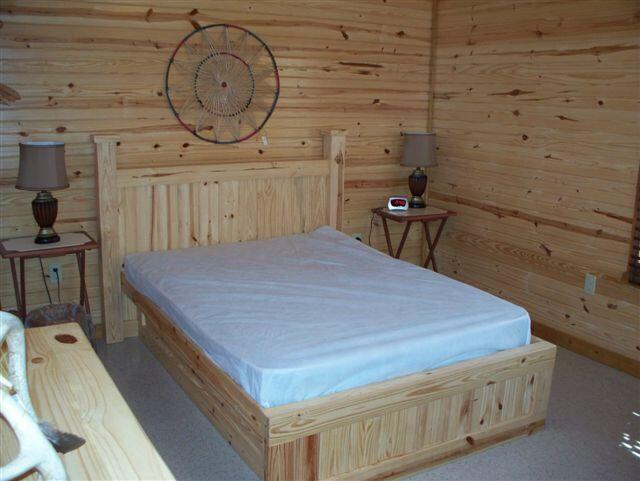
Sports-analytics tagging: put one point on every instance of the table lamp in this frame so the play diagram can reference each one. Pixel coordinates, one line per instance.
(419, 152)
(42, 170)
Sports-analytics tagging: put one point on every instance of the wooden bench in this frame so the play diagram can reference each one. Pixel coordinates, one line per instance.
(71, 389)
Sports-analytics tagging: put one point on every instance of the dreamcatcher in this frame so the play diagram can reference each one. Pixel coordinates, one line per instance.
(222, 83)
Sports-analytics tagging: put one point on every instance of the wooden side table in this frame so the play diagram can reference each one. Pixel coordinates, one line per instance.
(426, 215)
(22, 248)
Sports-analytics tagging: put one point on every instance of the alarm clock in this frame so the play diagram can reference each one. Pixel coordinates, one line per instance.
(398, 203)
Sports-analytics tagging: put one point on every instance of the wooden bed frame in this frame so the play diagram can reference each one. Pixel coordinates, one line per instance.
(379, 431)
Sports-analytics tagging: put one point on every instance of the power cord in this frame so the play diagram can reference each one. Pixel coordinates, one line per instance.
(44, 280)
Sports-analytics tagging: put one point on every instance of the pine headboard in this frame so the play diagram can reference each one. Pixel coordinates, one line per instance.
(158, 208)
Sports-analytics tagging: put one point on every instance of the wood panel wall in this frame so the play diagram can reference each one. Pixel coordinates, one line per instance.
(91, 67)
(536, 113)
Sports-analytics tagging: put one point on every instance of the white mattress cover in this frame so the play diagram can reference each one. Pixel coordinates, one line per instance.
(302, 316)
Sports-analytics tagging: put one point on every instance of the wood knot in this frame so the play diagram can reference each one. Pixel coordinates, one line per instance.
(66, 338)
(470, 440)
(37, 360)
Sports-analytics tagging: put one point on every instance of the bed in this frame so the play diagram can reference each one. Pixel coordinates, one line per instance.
(343, 382)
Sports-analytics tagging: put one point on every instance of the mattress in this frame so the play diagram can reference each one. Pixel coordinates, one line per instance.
(302, 316)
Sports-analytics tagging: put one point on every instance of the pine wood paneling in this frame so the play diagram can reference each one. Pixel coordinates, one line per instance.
(96, 67)
(536, 114)
(539, 149)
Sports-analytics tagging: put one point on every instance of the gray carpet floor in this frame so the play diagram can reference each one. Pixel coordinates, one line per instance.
(592, 431)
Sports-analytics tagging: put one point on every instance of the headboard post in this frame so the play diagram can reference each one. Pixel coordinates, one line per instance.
(108, 204)
(334, 150)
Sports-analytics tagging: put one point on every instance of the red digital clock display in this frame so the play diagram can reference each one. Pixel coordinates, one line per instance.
(397, 203)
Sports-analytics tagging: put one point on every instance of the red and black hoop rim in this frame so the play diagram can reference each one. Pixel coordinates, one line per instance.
(224, 89)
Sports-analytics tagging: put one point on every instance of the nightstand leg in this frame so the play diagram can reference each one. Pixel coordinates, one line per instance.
(84, 297)
(403, 240)
(387, 236)
(430, 257)
(23, 292)
(16, 286)
(432, 244)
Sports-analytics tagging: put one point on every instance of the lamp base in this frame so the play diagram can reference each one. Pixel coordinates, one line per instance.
(417, 186)
(47, 236)
(417, 202)
(45, 211)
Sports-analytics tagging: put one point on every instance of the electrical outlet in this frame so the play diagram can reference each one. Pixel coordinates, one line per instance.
(589, 283)
(357, 236)
(55, 272)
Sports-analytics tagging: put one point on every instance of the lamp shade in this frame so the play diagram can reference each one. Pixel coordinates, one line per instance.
(42, 166)
(419, 149)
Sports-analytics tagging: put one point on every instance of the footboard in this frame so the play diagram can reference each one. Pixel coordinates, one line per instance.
(393, 428)
(379, 431)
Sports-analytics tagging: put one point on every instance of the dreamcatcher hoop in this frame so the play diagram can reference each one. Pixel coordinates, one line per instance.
(222, 83)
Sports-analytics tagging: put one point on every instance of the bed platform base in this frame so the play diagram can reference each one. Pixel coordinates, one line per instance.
(383, 430)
